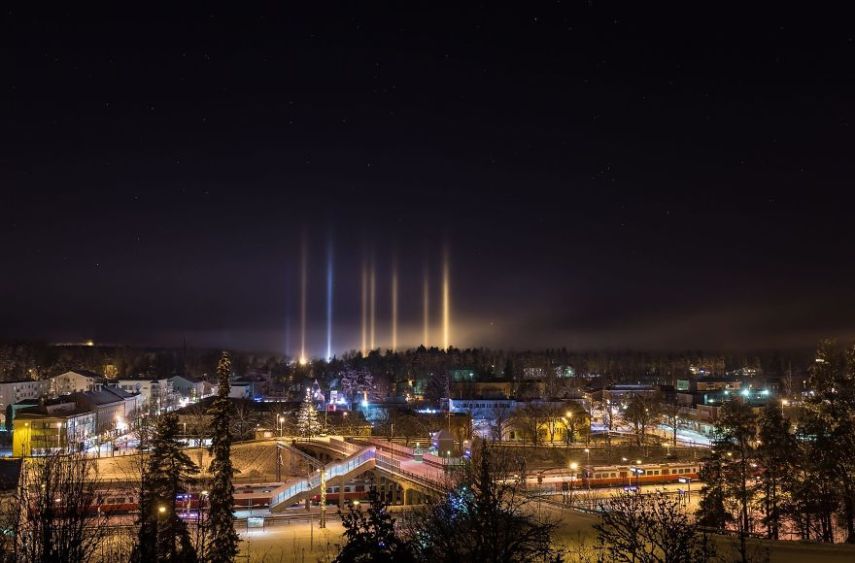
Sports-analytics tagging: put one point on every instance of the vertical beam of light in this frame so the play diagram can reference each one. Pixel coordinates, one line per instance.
(373, 302)
(329, 297)
(395, 307)
(446, 301)
(364, 309)
(287, 317)
(303, 286)
(425, 307)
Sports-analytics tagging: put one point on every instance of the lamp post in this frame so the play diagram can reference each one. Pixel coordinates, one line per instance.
(281, 424)
(588, 453)
(323, 522)
(784, 403)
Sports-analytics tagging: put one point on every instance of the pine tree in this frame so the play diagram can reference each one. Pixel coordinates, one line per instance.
(485, 518)
(370, 535)
(740, 425)
(777, 457)
(826, 472)
(162, 535)
(712, 512)
(307, 418)
(222, 538)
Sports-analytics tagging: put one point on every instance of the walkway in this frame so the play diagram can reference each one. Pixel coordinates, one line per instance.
(398, 462)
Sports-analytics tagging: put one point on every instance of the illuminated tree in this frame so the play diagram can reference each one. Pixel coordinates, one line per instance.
(308, 424)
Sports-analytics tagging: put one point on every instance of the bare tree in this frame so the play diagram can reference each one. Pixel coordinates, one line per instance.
(671, 419)
(500, 422)
(58, 518)
(242, 419)
(527, 420)
(553, 420)
(642, 413)
(649, 529)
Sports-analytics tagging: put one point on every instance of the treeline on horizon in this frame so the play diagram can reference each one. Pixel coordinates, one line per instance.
(39, 360)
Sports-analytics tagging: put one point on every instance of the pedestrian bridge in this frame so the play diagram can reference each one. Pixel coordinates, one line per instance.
(397, 465)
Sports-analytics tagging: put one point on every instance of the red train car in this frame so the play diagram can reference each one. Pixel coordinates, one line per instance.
(641, 474)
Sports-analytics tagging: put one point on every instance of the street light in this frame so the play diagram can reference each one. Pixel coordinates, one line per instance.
(784, 403)
(588, 453)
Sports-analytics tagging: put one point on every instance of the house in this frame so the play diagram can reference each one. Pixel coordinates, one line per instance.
(695, 384)
(706, 390)
(495, 418)
(112, 406)
(241, 389)
(12, 392)
(623, 392)
(57, 427)
(157, 394)
(75, 381)
(191, 388)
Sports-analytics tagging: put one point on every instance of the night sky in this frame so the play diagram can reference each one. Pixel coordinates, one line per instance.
(603, 177)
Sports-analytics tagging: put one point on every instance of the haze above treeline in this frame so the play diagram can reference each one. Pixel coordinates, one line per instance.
(22, 360)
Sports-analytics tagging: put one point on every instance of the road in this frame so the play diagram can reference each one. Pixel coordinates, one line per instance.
(291, 543)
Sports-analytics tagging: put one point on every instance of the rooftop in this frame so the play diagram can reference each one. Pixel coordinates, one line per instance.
(85, 372)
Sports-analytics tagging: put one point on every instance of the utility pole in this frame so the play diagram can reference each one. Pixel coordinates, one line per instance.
(323, 522)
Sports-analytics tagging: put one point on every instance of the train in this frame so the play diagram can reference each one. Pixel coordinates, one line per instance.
(602, 476)
(641, 474)
(247, 497)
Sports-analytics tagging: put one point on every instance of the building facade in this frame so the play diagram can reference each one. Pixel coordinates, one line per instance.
(157, 394)
(75, 381)
(47, 429)
(12, 392)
